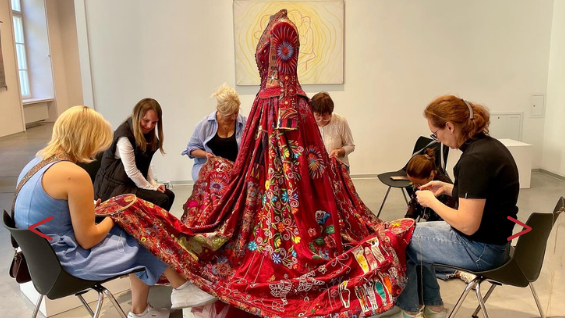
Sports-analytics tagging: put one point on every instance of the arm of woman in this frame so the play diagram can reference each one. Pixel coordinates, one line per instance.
(80, 192)
(195, 147)
(199, 153)
(438, 188)
(466, 219)
(126, 154)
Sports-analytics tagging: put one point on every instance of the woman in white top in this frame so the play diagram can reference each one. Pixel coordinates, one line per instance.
(126, 166)
(334, 128)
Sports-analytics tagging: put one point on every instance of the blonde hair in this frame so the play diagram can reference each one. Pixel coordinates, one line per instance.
(81, 132)
(227, 100)
(154, 141)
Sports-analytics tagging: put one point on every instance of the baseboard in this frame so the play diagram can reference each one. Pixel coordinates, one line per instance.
(364, 176)
(353, 176)
(372, 176)
(555, 175)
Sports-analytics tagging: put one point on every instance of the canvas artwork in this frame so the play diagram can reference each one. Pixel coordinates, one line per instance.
(2, 74)
(320, 26)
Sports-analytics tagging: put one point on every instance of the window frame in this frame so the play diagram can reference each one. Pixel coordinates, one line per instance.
(18, 14)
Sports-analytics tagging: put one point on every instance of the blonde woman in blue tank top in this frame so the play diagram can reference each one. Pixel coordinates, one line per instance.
(86, 249)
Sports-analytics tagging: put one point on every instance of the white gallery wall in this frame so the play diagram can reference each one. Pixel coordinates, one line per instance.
(64, 56)
(554, 136)
(399, 55)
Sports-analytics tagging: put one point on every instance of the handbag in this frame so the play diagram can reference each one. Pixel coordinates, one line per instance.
(18, 268)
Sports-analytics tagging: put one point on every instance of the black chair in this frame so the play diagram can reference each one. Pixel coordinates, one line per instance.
(524, 266)
(47, 275)
(421, 144)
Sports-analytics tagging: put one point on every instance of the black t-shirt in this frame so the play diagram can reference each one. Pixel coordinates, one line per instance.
(487, 170)
(224, 147)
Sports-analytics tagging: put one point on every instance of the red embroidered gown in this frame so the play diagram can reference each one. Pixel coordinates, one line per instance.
(281, 232)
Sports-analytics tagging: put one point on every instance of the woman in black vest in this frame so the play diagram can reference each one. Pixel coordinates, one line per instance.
(126, 165)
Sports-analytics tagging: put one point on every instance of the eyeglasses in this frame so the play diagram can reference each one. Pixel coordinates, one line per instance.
(434, 134)
(320, 120)
(325, 118)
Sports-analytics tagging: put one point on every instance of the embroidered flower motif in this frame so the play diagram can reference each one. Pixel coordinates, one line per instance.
(276, 257)
(281, 227)
(330, 241)
(285, 51)
(321, 216)
(284, 197)
(315, 162)
(252, 246)
(223, 269)
(312, 232)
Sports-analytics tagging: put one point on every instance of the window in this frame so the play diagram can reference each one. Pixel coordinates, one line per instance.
(21, 48)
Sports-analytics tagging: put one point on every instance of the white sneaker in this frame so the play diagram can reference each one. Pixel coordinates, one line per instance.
(403, 314)
(151, 312)
(188, 295)
(428, 313)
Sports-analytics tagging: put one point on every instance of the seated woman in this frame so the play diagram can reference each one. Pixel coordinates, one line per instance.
(334, 128)
(59, 188)
(420, 170)
(126, 165)
(218, 134)
(474, 234)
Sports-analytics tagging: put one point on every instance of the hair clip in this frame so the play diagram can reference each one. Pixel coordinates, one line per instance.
(471, 115)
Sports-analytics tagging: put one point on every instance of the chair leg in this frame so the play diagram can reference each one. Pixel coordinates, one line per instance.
(542, 314)
(114, 302)
(404, 194)
(382, 204)
(37, 306)
(480, 299)
(462, 298)
(99, 304)
(492, 286)
(85, 304)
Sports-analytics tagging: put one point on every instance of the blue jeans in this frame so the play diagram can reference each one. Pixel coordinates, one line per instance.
(437, 242)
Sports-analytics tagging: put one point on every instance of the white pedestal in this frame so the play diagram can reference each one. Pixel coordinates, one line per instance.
(53, 307)
(522, 154)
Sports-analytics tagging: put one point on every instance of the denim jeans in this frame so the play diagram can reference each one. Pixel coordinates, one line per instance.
(437, 242)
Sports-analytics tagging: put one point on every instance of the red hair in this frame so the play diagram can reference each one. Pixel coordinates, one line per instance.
(449, 108)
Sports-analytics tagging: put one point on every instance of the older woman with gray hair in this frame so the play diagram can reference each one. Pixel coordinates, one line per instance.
(219, 133)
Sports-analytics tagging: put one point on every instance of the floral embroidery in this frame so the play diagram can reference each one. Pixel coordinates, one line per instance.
(315, 162)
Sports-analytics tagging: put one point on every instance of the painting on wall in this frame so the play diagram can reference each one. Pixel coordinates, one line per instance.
(2, 74)
(320, 26)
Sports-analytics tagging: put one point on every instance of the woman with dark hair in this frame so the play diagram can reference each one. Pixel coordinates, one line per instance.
(126, 166)
(474, 234)
(422, 169)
